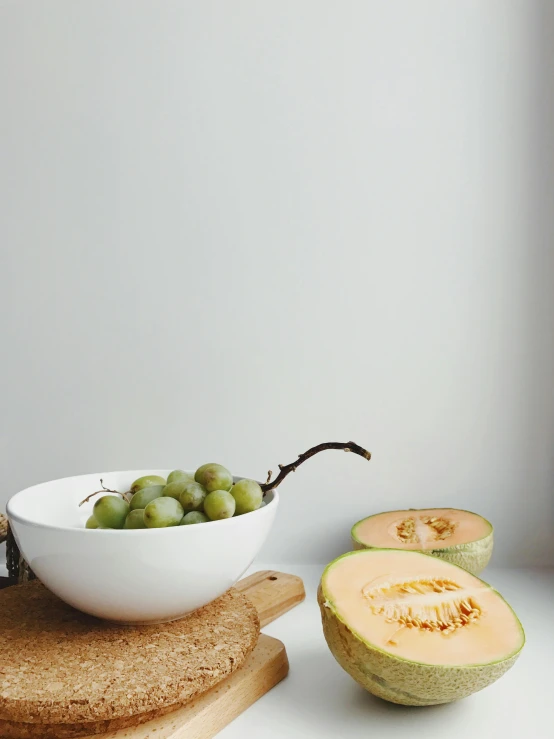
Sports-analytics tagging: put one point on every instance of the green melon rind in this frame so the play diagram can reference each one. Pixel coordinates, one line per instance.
(472, 556)
(398, 680)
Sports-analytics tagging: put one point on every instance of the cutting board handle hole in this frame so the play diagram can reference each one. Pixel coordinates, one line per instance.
(272, 577)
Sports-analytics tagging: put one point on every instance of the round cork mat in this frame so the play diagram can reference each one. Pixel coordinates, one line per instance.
(66, 674)
(3, 528)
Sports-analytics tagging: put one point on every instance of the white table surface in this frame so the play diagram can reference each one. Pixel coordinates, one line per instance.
(318, 699)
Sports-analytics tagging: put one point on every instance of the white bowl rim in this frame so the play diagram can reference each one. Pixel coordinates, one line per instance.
(110, 532)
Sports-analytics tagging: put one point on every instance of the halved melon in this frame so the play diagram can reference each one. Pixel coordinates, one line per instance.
(414, 629)
(460, 537)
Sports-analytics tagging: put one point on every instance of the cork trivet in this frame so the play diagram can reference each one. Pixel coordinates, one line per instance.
(3, 528)
(201, 718)
(60, 666)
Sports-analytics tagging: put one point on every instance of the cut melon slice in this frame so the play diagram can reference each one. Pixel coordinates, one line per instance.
(460, 537)
(413, 629)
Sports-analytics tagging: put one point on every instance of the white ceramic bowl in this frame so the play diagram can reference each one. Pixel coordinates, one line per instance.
(136, 575)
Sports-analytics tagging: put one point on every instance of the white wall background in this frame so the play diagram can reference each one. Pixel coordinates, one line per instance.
(231, 230)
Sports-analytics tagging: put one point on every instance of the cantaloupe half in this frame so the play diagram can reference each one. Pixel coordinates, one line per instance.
(414, 629)
(460, 537)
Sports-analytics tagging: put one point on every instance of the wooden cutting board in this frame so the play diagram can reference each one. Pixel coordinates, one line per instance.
(57, 638)
(272, 593)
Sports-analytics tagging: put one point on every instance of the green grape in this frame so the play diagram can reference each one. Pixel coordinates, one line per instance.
(219, 504)
(192, 497)
(135, 519)
(111, 511)
(248, 496)
(146, 482)
(214, 477)
(201, 469)
(180, 476)
(174, 489)
(92, 523)
(194, 517)
(146, 495)
(163, 512)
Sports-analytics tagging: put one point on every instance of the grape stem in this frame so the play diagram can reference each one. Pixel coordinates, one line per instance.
(104, 490)
(284, 470)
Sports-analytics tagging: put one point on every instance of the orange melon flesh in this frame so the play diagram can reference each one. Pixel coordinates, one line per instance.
(421, 609)
(460, 537)
(386, 529)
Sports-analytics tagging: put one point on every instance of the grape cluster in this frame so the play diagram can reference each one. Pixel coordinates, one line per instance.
(183, 499)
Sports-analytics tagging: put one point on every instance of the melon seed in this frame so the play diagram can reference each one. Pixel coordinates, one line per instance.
(394, 602)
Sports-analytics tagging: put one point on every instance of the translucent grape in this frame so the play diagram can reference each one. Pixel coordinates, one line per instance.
(146, 495)
(192, 497)
(135, 519)
(248, 496)
(91, 523)
(146, 482)
(200, 470)
(219, 504)
(174, 489)
(194, 517)
(111, 511)
(163, 512)
(180, 476)
(214, 477)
